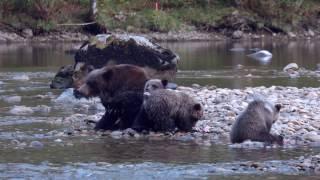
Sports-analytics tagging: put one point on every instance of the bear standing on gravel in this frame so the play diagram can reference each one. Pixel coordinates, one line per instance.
(120, 88)
(255, 123)
(165, 110)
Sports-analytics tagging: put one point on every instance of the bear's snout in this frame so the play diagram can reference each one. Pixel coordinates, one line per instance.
(79, 94)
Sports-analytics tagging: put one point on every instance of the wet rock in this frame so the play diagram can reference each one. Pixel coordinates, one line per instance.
(195, 85)
(130, 132)
(116, 134)
(42, 108)
(262, 56)
(239, 66)
(292, 35)
(106, 49)
(27, 33)
(312, 136)
(58, 140)
(311, 33)
(22, 77)
(291, 67)
(36, 145)
(248, 145)
(21, 110)
(10, 37)
(237, 34)
(12, 99)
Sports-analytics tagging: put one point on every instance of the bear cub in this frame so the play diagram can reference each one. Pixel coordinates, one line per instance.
(255, 123)
(165, 110)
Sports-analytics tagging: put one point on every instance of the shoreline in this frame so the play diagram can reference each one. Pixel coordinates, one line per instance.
(187, 36)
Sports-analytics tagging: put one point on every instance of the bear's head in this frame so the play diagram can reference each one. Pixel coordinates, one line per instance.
(81, 70)
(154, 84)
(197, 112)
(276, 112)
(96, 81)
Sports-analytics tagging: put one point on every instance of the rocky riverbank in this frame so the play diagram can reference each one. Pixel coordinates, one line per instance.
(299, 120)
(64, 36)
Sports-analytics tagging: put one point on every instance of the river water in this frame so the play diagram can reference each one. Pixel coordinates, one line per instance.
(26, 70)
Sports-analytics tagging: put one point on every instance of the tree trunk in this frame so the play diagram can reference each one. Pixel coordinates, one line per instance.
(93, 9)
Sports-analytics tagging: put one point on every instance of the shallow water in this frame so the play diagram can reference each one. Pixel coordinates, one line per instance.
(73, 157)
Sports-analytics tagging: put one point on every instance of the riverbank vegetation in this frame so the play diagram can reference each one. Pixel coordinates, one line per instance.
(222, 16)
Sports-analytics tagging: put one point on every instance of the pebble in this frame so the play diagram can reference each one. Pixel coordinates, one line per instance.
(36, 145)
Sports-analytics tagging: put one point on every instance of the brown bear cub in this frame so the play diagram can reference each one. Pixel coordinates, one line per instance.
(255, 123)
(120, 89)
(165, 110)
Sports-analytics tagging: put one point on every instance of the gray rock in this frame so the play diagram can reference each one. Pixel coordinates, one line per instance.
(21, 110)
(292, 35)
(27, 33)
(312, 136)
(291, 67)
(116, 134)
(22, 77)
(36, 145)
(237, 34)
(12, 99)
(311, 33)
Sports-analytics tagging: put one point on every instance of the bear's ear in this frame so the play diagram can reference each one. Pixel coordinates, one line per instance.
(197, 107)
(278, 107)
(108, 74)
(164, 82)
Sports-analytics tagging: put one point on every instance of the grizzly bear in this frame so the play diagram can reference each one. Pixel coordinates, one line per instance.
(255, 123)
(120, 88)
(166, 110)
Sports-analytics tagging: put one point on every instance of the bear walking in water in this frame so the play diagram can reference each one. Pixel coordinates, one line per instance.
(165, 110)
(255, 123)
(120, 89)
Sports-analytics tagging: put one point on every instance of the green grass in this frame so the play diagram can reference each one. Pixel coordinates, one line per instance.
(172, 15)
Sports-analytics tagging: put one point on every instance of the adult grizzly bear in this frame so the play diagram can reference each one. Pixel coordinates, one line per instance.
(255, 123)
(165, 110)
(120, 88)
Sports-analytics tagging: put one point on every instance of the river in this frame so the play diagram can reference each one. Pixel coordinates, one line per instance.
(26, 71)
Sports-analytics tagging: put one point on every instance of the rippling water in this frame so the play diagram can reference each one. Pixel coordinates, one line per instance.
(73, 157)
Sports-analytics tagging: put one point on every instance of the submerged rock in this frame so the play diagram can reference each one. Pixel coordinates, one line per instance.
(263, 56)
(248, 144)
(12, 99)
(21, 110)
(106, 49)
(36, 145)
(22, 77)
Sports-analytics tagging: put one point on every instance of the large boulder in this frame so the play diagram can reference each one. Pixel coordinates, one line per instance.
(111, 49)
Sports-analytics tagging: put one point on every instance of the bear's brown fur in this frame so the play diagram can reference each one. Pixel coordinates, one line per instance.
(255, 123)
(120, 88)
(165, 110)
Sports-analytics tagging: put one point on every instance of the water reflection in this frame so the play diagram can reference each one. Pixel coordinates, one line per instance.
(204, 63)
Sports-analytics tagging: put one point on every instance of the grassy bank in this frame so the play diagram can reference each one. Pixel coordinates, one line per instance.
(223, 16)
